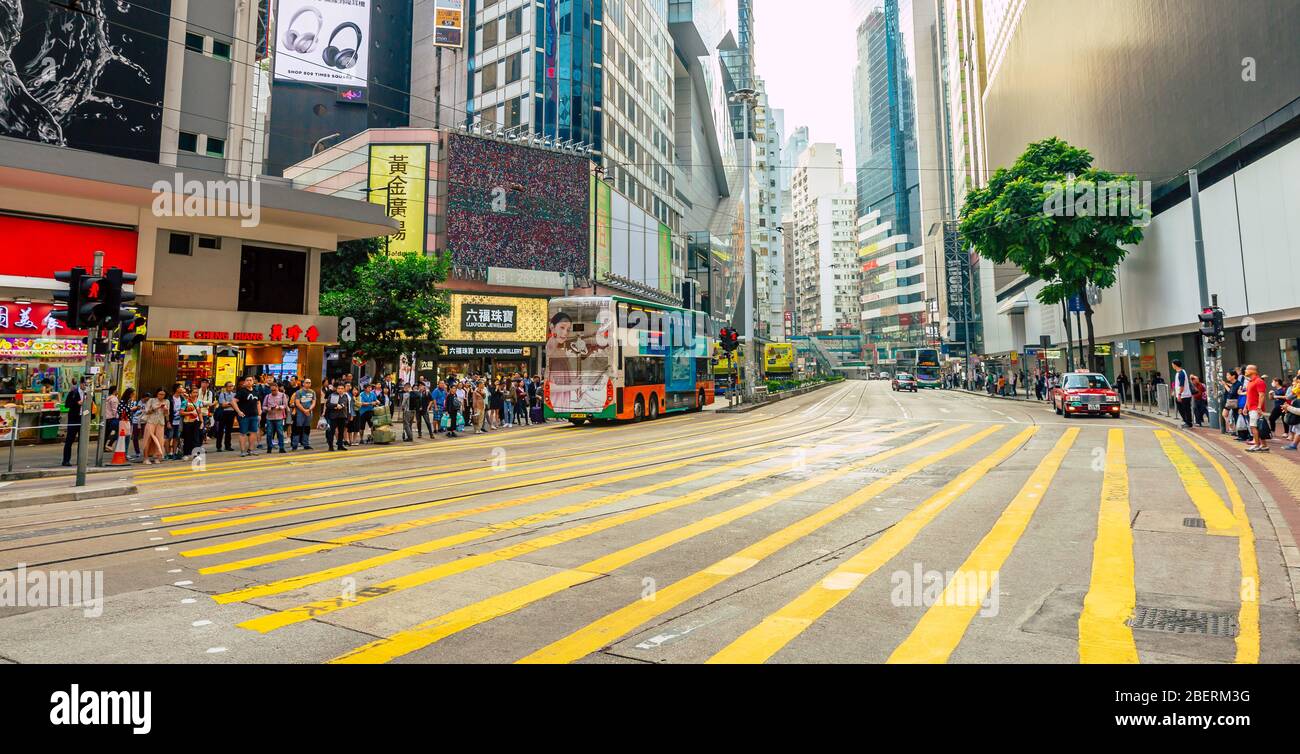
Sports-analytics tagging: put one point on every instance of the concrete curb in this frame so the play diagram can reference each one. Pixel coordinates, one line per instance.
(45, 473)
(25, 498)
(745, 408)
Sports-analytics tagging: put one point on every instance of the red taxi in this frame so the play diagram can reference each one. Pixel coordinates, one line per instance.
(1085, 393)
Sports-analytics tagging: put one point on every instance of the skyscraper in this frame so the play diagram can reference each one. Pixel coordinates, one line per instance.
(900, 196)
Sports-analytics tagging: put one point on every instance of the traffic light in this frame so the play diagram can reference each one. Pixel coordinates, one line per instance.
(90, 299)
(72, 297)
(131, 333)
(729, 338)
(1212, 322)
(110, 311)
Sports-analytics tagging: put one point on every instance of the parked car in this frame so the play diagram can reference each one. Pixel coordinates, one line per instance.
(1085, 393)
(903, 381)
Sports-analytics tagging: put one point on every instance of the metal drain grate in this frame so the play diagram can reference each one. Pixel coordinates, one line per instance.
(1194, 523)
(1179, 621)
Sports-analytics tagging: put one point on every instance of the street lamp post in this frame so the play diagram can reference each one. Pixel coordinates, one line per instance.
(748, 97)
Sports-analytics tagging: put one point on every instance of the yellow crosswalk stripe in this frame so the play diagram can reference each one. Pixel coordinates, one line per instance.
(427, 575)
(230, 497)
(1218, 519)
(1248, 616)
(606, 630)
(266, 538)
(436, 629)
(424, 548)
(779, 629)
(944, 624)
(1104, 636)
(384, 531)
(483, 473)
(262, 462)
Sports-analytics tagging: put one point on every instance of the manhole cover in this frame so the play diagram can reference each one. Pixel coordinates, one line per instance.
(1194, 523)
(1179, 621)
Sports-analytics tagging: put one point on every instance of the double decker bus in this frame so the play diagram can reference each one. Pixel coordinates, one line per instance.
(615, 358)
(922, 363)
(778, 359)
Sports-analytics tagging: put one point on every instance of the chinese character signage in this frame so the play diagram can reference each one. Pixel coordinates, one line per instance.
(399, 180)
(473, 351)
(488, 317)
(448, 23)
(33, 320)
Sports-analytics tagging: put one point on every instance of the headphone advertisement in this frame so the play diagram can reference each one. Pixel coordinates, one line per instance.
(323, 42)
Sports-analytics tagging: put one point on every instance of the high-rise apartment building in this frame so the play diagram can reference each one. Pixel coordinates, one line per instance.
(827, 278)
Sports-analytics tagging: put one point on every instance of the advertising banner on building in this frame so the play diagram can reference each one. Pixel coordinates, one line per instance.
(91, 79)
(601, 225)
(323, 42)
(399, 180)
(448, 23)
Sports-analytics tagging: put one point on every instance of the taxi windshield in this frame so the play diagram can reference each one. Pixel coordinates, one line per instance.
(1086, 382)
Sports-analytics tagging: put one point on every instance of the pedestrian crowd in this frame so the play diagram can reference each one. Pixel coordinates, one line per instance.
(1254, 405)
(263, 414)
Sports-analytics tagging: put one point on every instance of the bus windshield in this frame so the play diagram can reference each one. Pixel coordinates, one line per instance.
(580, 349)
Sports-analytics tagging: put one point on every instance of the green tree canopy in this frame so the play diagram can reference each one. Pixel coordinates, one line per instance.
(1058, 219)
(394, 301)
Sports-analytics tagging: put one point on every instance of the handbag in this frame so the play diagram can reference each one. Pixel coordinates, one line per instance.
(1265, 429)
(322, 424)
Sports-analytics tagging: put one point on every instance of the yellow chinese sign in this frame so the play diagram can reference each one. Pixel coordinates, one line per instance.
(529, 317)
(399, 180)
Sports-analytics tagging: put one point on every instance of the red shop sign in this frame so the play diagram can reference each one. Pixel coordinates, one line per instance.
(32, 320)
(37, 248)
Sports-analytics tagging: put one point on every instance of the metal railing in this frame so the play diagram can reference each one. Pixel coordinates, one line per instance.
(13, 438)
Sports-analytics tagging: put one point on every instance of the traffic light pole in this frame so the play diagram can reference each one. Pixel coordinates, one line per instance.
(1209, 348)
(83, 436)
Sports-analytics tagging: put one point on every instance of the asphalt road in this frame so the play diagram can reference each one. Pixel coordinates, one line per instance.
(851, 524)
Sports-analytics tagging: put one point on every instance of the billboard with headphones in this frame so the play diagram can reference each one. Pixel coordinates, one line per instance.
(323, 42)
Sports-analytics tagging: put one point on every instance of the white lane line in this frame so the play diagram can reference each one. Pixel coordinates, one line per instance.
(188, 601)
(216, 650)
(199, 623)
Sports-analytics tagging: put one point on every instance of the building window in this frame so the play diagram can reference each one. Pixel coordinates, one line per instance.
(514, 67)
(209, 242)
(490, 34)
(194, 42)
(187, 142)
(514, 23)
(216, 147)
(272, 280)
(220, 50)
(179, 243)
(489, 78)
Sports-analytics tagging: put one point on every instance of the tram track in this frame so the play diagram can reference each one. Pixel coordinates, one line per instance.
(859, 395)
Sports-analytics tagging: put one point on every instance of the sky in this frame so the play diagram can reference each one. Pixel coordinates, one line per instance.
(806, 57)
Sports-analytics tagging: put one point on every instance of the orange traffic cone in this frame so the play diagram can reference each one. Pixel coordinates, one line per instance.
(119, 451)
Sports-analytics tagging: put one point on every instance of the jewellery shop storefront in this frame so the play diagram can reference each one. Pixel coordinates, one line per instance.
(189, 345)
(490, 335)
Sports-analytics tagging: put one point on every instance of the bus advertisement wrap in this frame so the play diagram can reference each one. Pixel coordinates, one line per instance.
(579, 351)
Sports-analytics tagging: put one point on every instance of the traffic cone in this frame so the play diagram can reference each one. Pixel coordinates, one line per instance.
(119, 451)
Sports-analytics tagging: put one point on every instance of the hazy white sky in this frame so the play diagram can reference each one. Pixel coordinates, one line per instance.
(806, 51)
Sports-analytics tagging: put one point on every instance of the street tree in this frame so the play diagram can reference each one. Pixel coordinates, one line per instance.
(1060, 220)
(394, 301)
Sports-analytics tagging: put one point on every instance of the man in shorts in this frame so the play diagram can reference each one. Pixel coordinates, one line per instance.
(248, 409)
(1256, 389)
